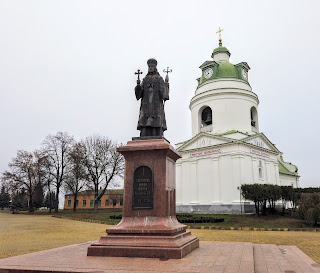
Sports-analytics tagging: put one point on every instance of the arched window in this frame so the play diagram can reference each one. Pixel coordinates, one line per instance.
(206, 116)
(260, 170)
(254, 117)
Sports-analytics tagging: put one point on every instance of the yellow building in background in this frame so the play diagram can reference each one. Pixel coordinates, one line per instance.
(112, 199)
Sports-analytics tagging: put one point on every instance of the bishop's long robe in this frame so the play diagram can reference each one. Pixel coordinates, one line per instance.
(152, 92)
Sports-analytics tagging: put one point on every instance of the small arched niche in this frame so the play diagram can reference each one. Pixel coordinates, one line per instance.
(205, 119)
(254, 119)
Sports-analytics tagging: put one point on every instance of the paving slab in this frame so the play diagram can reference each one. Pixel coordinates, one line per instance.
(209, 257)
(296, 257)
(217, 257)
(270, 258)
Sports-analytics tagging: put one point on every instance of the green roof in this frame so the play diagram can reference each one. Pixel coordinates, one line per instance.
(227, 70)
(229, 132)
(220, 49)
(182, 142)
(283, 169)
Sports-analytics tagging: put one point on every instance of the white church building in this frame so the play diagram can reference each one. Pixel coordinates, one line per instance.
(226, 149)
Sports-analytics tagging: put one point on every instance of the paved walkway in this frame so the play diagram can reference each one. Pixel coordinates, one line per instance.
(218, 257)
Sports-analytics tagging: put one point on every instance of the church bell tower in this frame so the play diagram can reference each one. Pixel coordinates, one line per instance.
(224, 101)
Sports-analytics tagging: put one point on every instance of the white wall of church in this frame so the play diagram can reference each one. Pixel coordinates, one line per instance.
(216, 179)
(289, 180)
(205, 186)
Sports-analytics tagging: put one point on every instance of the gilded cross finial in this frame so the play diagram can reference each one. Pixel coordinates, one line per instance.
(220, 40)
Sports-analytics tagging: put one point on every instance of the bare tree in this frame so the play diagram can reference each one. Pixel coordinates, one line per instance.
(103, 164)
(56, 148)
(26, 173)
(76, 174)
(48, 183)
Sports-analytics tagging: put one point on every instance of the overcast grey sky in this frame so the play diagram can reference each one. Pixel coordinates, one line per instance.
(69, 66)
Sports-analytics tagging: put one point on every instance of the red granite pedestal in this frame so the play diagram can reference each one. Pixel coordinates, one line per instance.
(149, 227)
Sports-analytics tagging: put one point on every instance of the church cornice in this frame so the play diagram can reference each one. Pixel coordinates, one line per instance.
(211, 93)
(208, 64)
(243, 64)
(228, 143)
(233, 132)
(236, 153)
(262, 135)
(295, 175)
(198, 136)
(207, 147)
(224, 79)
(258, 147)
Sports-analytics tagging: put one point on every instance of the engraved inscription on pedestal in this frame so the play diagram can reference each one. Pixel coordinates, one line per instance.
(143, 188)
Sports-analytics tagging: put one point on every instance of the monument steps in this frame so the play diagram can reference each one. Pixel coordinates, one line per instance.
(147, 246)
(151, 240)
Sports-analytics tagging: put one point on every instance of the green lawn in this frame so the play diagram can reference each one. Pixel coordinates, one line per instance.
(230, 220)
(37, 231)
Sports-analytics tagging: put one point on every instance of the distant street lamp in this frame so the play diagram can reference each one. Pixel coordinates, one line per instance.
(239, 188)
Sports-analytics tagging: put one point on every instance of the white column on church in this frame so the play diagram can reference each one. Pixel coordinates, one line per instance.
(242, 169)
(193, 182)
(215, 182)
(255, 173)
(186, 194)
(236, 178)
(267, 176)
(276, 167)
(272, 176)
(248, 176)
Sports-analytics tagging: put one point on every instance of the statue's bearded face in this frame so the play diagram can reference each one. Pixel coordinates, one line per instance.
(152, 68)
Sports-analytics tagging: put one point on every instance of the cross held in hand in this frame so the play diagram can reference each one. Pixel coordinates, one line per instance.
(167, 71)
(138, 73)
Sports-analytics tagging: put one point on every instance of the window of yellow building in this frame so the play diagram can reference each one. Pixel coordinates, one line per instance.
(91, 203)
(107, 203)
(114, 202)
(84, 203)
(69, 203)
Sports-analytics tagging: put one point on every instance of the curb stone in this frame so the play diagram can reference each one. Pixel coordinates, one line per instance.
(255, 229)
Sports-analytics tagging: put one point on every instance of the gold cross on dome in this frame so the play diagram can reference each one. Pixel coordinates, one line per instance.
(219, 31)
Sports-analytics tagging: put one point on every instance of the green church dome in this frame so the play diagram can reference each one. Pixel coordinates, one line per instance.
(220, 67)
(221, 49)
(227, 70)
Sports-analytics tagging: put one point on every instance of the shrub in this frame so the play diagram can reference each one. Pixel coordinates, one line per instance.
(309, 207)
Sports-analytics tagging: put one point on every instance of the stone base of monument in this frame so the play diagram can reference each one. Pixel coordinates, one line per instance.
(149, 227)
(147, 244)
